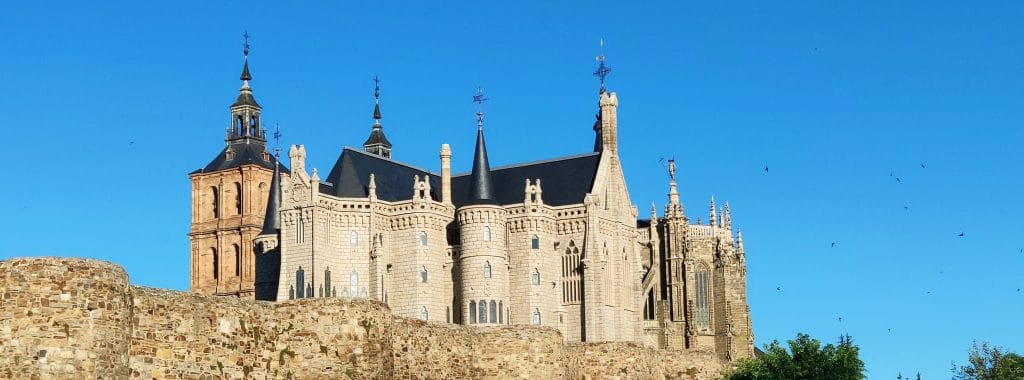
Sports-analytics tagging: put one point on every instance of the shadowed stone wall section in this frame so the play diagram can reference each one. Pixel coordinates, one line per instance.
(77, 318)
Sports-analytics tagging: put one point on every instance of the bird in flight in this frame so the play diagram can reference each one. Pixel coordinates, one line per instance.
(898, 180)
(833, 244)
(840, 319)
(928, 292)
(766, 168)
(922, 166)
(907, 208)
(778, 288)
(961, 234)
(1020, 250)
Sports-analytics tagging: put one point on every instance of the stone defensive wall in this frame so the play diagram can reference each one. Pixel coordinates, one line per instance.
(79, 318)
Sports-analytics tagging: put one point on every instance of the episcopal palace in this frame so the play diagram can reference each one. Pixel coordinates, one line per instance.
(555, 242)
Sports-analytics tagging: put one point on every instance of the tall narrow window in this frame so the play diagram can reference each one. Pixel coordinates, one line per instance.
(535, 242)
(327, 282)
(571, 274)
(353, 238)
(536, 316)
(483, 311)
(300, 282)
(703, 312)
(487, 233)
(238, 260)
(535, 277)
(472, 312)
(423, 239)
(448, 314)
(423, 274)
(300, 230)
(487, 269)
(216, 202)
(501, 312)
(216, 263)
(238, 198)
(353, 284)
(494, 312)
(424, 314)
(291, 292)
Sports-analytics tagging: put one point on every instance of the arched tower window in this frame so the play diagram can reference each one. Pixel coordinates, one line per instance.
(238, 198)
(703, 312)
(572, 286)
(472, 312)
(327, 282)
(535, 277)
(487, 233)
(536, 316)
(535, 242)
(353, 283)
(423, 239)
(216, 202)
(300, 282)
(483, 311)
(494, 312)
(353, 238)
(423, 274)
(424, 314)
(487, 269)
(216, 263)
(238, 260)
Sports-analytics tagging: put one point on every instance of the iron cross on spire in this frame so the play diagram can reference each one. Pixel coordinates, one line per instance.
(245, 45)
(602, 70)
(277, 140)
(376, 89)
(479, 99)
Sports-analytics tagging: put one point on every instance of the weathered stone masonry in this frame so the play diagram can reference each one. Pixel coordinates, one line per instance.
(80, 318)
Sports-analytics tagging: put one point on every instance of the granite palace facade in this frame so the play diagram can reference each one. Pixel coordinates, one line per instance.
(554, 242)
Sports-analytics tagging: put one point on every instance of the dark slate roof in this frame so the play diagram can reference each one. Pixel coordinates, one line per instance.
(481, 190)
(377, 137)
(245, 98)
(350, 177)
(247, 151)
(564, 181)
(271, 218)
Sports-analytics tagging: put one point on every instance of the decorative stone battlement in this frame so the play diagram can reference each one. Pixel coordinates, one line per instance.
(80, 318)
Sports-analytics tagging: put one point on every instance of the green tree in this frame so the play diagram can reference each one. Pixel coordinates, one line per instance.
(806, 359)
(990, 363)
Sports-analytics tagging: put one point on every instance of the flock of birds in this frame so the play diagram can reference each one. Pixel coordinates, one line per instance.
(899, 180)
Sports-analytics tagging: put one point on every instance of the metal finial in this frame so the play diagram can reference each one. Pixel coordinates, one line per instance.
(602, 70)
(277, 140)
(376, 89)
(479, 99)
(245, 45)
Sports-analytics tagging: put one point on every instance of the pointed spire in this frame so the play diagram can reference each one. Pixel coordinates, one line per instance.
(245, 53)
(712, 219)
(739, 241)
(272, 218)
(727, 217)
(377, 143)
(480, 191)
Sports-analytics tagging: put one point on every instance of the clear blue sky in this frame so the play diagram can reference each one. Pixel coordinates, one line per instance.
(833, 98)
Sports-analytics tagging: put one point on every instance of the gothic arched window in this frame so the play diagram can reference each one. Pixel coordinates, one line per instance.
(238, 198)
(702, 286)
(300, 282)
(423, 274)
(353, 238)
(535, 242)
(487, 233)
(238, 260)
(424, 314)
(472, 312)
(483, 311)
(501, 307)
(327, 282)
(216, 263)
(494, 312)
(535, 277)
(536, 316)
(353, 283)
(487, 269)
(216, 202)
(423, 239)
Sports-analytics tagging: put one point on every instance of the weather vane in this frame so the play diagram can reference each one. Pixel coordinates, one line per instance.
(479, 99)
(376, 89)
(277, 140)
(602, 70)
(245, 45)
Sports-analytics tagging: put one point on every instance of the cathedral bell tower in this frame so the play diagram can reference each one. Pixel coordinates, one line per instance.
(229, 198)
